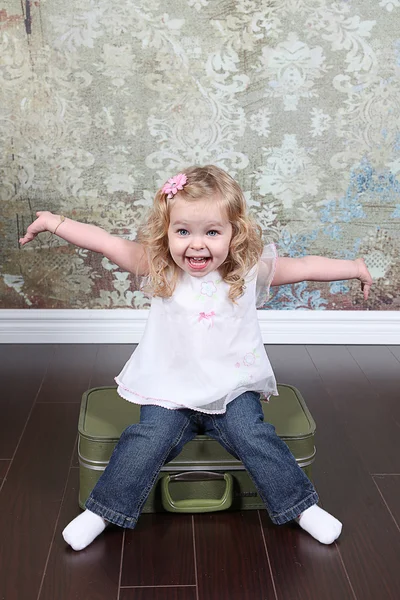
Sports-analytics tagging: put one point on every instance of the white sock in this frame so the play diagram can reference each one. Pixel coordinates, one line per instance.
(83, 530)
(320, 524)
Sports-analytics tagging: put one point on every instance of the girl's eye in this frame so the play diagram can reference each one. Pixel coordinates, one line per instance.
(184, 232)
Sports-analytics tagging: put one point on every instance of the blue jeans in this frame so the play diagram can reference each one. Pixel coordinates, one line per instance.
(145, 447)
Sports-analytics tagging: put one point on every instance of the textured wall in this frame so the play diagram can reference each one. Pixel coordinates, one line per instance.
(101, 101)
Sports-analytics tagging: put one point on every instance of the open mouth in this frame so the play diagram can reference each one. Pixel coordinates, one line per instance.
(197, 263)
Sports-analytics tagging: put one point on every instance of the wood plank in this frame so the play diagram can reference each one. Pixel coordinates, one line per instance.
(304, 569)
(160, 593)
(231, 557)
(110, 360)
(22, 369)
(75, 457)
(159, 551)
(4, 464)
(395, 350)
(389, 487)
(369, 544)
(92, 573)
(382, 370)
(69, 373)
(31, 498)
(372, 431)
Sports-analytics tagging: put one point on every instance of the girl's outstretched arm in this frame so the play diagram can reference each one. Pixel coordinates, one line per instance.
(128, 255)
(319, 268)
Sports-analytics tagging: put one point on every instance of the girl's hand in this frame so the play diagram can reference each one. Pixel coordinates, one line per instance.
(39, 225)
(364, 276)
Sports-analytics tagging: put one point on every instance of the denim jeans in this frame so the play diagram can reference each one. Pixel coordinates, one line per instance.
(145, 447)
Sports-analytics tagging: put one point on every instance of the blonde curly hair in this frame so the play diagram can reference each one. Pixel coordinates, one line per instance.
(208, 182)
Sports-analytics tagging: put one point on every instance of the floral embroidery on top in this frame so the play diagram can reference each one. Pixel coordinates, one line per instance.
(249, 359)
(208, 288)
(244, 376)
(208, 317)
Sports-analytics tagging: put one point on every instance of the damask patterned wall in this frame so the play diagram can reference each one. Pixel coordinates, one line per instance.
(100, 102)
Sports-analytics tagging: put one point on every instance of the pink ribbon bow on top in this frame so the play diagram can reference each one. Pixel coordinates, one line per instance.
(209, 316)
(174, 184)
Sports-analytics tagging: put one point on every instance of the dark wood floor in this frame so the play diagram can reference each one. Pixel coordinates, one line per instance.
(353, 393)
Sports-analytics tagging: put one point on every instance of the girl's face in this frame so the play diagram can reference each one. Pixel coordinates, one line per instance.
(199, 236)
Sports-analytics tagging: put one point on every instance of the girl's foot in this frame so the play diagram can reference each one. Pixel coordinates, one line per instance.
(83, 530)
(320, 524)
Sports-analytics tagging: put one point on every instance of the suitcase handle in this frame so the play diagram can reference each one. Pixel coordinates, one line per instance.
(201, 505)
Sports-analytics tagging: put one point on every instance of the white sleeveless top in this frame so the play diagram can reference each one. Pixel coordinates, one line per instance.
(199, 350)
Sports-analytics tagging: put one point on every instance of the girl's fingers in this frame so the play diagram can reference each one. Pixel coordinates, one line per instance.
(365, 288)
(34, 228)
(365, 278)
(28, 237)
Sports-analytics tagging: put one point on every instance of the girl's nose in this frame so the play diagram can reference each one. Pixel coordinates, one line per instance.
(197, 244)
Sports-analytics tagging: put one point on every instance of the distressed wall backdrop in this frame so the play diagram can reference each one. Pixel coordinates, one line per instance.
(101, 102)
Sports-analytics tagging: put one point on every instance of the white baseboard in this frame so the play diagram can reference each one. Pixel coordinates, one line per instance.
(124, 326)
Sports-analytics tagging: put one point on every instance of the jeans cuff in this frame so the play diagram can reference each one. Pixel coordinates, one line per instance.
(295, 511)
(110, 515)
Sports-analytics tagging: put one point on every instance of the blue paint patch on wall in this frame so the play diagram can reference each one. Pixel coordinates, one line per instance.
(367, 186)
(296, 297)
(344, 210)
(397, 52)
(350, 253)
(295, 245)
(396, 213)
(334, 231)
(339, 287)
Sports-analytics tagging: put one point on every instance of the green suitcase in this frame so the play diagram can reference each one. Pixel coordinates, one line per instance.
(204, 477)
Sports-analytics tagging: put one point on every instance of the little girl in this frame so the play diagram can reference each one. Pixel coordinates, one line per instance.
(201, 364)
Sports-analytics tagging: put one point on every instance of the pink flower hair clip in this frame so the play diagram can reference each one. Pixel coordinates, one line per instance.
(174, 184)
